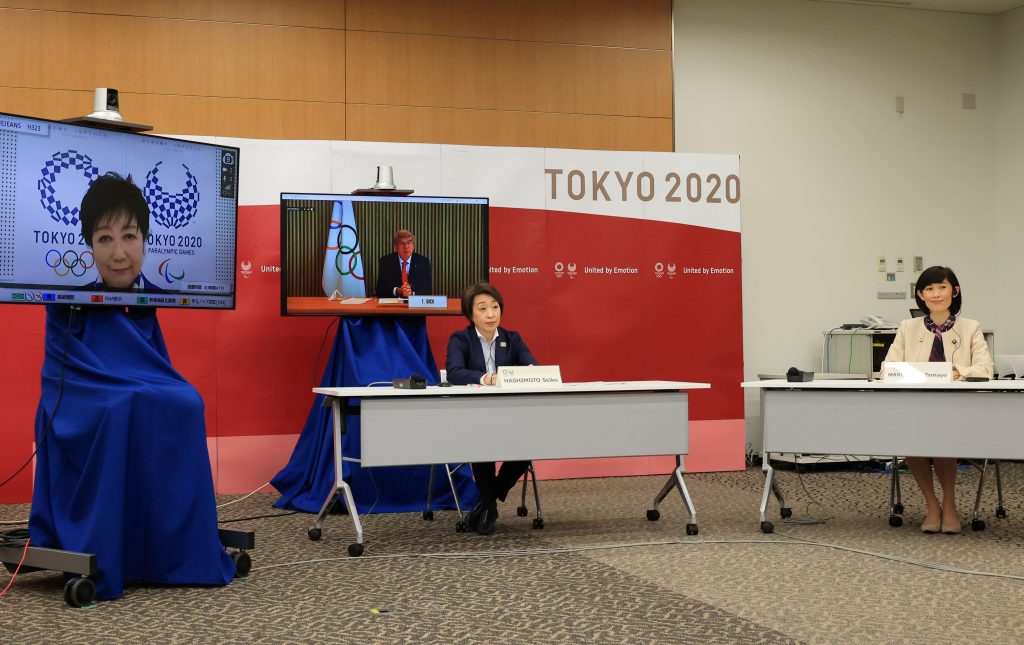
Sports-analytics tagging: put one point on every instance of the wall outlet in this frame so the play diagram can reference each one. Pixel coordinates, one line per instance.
(881, 264)
(899, 263)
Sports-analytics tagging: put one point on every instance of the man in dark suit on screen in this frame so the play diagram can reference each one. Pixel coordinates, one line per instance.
(404, 273)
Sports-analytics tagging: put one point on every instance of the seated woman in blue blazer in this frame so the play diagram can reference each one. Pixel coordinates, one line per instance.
(940, 336)
(474, 354)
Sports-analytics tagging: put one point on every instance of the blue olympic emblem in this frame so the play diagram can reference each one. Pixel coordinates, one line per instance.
(70, 261)
(59, 162)
(171, 210)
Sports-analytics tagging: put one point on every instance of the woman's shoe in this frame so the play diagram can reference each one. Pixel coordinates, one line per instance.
(931, 527)
(951, 526)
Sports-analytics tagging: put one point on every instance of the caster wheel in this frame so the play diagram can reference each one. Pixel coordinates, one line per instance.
(767, 527)
(691, 529)
(785, 512)
(1001, 512)
(538, 523)
(653, 515)
(895, 521)
(977, 525)
(521, 511)
(355, 550)
(428, 515)
(460, 527)
(243, 564)
(314, 534)
(79, 592)
(897, 509)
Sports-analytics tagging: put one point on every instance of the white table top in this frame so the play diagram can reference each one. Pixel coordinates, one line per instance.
(469, 390)
(861, 384)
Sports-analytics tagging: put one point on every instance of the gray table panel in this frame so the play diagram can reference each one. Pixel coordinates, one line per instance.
(966, 424)
(466, 429)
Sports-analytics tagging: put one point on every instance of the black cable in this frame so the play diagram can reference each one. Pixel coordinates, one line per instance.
(256, 517)
(323, 342)
(53, 414)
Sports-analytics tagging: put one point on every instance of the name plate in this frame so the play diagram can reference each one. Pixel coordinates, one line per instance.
(429, 302)
(899, 372)
(529, 376)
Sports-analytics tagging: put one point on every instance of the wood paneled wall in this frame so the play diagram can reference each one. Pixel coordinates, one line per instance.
(573, 74)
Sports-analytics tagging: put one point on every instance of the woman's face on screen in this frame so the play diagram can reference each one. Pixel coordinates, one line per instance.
(486, 313)
(117, 246)
(938, 296)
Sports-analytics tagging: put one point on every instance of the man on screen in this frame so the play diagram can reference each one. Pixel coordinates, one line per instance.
(404, 273)
(115, 223)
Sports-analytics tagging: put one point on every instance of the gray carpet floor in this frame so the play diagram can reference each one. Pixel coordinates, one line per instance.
(599, 572)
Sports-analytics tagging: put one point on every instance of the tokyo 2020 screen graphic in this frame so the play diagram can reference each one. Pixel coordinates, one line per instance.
(100, 217)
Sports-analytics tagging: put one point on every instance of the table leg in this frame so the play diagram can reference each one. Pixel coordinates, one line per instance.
(769, 486)
(675, 480)
(340, 486)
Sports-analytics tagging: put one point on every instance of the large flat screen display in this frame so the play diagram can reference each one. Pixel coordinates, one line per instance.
(98, 217)
(380, 255)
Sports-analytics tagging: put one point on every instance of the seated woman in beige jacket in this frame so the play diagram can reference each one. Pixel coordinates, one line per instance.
(940, 336)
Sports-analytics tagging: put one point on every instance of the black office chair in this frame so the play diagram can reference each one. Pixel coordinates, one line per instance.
(977, 524)
(460, 526)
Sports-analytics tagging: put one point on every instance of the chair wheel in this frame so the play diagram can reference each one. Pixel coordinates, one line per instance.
(767, 527)
(1001, 512)
(785, 512)
(314, 534)
(521, 511)
(977, 525)
(79, 592)
(897, 509)
(895, 521)
(538, 523)
(653, 514)
(428, 515)
(460, 527)
(691, 529)
(355, 549)
(243, 564)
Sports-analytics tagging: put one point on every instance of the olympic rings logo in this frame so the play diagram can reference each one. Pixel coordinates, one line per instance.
(70, 261)
(352, 253)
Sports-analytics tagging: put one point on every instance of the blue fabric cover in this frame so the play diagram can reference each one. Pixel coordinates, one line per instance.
(367, 350)
(124, 472)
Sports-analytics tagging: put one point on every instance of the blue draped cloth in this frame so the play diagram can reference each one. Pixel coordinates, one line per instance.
(123, 470)
(367, 350)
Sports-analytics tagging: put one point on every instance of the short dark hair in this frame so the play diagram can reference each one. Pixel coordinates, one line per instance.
(112, 193)
(479, 289)
(936, 275)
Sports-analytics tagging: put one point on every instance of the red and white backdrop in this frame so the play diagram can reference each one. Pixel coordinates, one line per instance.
(613, 265)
